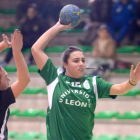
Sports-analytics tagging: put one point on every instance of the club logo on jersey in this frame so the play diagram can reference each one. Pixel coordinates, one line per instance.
(86, 84)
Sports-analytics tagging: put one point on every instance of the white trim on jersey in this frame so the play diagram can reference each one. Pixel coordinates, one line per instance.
(51, 87)
(95, 87)
(3, 126)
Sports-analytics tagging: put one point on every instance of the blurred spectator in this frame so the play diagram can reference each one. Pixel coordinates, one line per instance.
(100, 14)
(138, 18)
(103, 50)
(23, 6)
(136, 27)
(31, 30)
(122, 19)
(52, 10)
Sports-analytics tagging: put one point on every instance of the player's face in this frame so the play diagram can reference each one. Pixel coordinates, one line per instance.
(75, 67)
(4, 82)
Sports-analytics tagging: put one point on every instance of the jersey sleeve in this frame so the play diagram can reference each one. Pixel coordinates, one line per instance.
(49, 72)
(7, 97)
(103, 88)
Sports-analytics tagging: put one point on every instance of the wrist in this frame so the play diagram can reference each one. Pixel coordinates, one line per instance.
(57, 28)
(132, 82)
(15, 51)
(4, 46)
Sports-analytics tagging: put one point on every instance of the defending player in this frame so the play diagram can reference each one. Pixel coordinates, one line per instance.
(9, 94)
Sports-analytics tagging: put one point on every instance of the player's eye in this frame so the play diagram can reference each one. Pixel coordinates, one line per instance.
(76, 61)
(83, 60)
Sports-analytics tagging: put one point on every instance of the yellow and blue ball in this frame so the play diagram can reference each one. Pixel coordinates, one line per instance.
(70, 14)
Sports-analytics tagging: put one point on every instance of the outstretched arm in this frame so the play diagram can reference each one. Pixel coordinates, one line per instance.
(123, 88)
(5, 43)
(39, 46)
(22, 70)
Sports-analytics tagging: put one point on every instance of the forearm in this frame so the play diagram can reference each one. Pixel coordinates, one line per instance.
(2, 46)
(41, 43)
(120, 89)
(22, 70)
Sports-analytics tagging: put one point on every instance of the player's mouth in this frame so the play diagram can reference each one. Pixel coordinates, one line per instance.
(81, 69)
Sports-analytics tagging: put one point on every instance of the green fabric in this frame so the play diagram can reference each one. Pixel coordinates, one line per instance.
(71, 103)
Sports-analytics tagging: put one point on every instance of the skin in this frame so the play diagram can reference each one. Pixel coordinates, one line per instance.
(75, 67)
(22, 70)
(4, 83)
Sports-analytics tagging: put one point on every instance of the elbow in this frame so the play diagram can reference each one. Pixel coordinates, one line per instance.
(27, 80)
(33, 49)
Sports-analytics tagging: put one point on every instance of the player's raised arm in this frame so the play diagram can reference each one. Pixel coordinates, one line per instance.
(39, 46)
(22, 70)
(123, 88)
(5, 43)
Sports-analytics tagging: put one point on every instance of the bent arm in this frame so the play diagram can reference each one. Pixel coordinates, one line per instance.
(22, 70)
(23, 74)
(123, 88)
(39, 46)
(120, 89)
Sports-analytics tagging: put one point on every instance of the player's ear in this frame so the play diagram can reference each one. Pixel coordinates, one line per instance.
(64, 65)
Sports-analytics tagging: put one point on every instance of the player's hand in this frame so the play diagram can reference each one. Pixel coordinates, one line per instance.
(6, 41)
(63, 27)
(17, 40)
(135, 74)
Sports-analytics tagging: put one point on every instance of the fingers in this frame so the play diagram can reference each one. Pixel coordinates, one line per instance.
(4, 37)
(138, 66)
(12, 37)
(16, 34)
(132, 68)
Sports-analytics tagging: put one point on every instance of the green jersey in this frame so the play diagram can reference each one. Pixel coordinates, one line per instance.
(72, 102)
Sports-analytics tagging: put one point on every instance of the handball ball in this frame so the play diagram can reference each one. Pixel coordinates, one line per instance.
(70, 14)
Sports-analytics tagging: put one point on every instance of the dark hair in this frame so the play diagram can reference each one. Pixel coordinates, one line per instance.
(34, 6)
(67, 53)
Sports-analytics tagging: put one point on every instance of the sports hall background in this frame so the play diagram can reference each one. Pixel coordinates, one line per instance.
(117, 119)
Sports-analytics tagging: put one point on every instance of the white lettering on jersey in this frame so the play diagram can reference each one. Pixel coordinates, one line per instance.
(75, 84)
(64, 99)
(76, 103)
